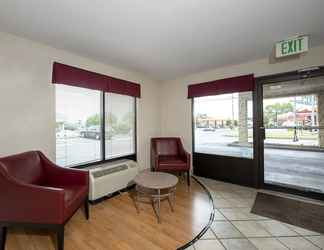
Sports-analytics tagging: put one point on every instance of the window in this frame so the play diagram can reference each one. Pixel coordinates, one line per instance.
(77, 125)
(79, 116)
(223, 125)
(120, 125)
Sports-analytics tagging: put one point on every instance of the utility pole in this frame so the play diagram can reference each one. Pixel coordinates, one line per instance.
(232, 110)
(313, 112)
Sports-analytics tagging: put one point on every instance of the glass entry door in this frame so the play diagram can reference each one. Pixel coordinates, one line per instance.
(293, 122)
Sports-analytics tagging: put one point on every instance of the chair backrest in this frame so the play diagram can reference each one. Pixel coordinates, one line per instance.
(26, 167)
(166, 145)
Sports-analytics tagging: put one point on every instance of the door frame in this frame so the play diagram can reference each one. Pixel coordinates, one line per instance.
(259, 132)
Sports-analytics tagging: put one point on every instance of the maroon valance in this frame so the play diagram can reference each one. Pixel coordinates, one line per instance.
(223, 86)
(73, 76)
(123, 87)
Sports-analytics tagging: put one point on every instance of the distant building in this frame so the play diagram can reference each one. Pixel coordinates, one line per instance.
(303, 118)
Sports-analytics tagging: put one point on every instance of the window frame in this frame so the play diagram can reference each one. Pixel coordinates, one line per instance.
(102, 140)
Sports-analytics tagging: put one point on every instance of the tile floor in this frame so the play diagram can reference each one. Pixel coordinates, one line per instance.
(235, 228)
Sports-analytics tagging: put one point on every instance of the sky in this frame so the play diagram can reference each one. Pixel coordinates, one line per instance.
(74, 103)
(219, 106)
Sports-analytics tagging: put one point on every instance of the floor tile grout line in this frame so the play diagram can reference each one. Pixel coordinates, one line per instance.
(254, 220)
(244, 236)
(210, 228)
(240, 231)
(271, 235)
(313, 242)
(299, 236)
(213, 207)
(217, 238)
(305, 237)
(232, 225)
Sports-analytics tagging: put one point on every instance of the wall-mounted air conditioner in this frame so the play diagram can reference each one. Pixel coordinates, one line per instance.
(108, 178)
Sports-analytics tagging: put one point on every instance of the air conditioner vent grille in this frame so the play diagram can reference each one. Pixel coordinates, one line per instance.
(107, 171)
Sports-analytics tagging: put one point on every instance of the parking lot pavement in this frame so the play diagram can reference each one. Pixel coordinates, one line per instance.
(292, 167)
(285, 166)
(78, 150)
(297, 168)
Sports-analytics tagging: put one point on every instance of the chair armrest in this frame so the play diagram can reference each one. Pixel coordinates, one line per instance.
(63, 176)
(28, 203)
(185, 155)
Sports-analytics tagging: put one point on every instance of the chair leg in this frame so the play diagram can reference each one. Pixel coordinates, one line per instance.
(60, 238)
(188, 178)
(3, 237)
(86, 208)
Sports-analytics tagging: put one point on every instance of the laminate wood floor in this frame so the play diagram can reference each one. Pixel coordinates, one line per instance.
(114, 224)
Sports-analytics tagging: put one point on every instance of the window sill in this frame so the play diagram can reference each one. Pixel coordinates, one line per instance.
(81, 166)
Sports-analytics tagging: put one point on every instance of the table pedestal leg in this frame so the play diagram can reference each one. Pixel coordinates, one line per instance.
(157, 209)
(159, 205)
(135, 203)
(170, 198)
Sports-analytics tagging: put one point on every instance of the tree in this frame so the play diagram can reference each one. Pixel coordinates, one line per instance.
(228, 123)
(128, 118)
(126, 123)
(111, 122)
(111, 119)
(272, 111)
(93, 120)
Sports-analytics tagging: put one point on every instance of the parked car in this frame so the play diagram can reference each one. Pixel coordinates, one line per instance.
(66, 134)
(210, 129)
(92, 132)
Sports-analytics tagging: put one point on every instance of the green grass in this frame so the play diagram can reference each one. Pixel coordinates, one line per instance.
(289, 134)
(306, 135)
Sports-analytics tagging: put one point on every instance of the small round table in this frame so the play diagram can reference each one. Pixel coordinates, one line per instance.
(156, 186)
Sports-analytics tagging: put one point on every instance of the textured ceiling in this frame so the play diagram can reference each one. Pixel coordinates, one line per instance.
(165, 39)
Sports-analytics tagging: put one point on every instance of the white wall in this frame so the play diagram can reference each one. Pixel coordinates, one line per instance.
(176, 109)
(27, 97)
(27, 103)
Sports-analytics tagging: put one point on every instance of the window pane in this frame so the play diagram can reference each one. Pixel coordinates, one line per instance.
(120, 125)
(291, 120)
(224, 124)
(78, 131)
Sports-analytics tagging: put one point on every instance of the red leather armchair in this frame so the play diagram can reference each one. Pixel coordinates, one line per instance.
(34, 192)
(168, 154)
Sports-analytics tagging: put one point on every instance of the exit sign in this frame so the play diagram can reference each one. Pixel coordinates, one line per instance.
(292, 46)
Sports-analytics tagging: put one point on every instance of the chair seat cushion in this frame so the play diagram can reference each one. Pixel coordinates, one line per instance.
(172, 162)
(74, 196)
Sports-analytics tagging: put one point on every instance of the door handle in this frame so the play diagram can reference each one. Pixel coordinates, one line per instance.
(262, 133)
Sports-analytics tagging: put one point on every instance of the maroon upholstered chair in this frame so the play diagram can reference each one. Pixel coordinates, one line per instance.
(34, 192)
(168, 154)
